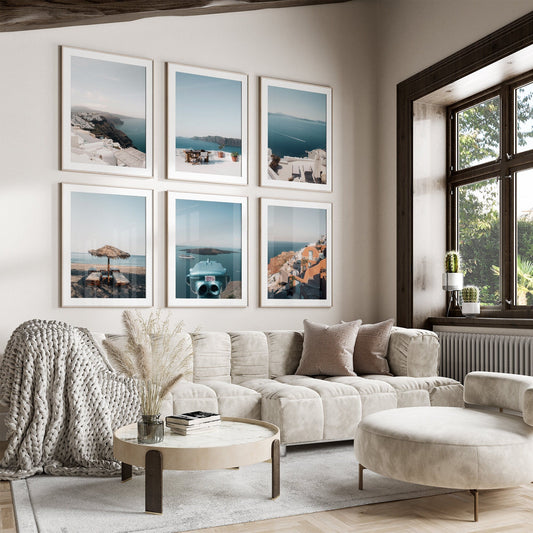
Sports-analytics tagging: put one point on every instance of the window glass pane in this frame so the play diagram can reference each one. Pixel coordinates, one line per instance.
(479, 237)
(524, 118)
(524, 237)
(478, 133)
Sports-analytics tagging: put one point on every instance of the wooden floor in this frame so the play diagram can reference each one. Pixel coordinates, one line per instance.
(509, 510)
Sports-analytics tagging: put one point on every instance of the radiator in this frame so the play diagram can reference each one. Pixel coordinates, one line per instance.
(462, 353)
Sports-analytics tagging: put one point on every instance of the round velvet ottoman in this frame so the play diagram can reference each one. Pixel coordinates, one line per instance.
(453, 447)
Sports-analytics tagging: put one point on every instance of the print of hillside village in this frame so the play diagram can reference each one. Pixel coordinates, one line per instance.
(299, 275)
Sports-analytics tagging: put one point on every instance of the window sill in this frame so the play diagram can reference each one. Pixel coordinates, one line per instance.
(481, 322)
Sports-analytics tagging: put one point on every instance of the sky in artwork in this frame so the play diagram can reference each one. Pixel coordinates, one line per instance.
(114, 219)
(109, 86)
(295, 224)
(208, 224)
(302, 104)
(206, 105)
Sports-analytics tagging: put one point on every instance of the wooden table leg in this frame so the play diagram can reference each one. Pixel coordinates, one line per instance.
(153, 488)
(361, 470)
(275, 469)
(126, 472)
(475, 493)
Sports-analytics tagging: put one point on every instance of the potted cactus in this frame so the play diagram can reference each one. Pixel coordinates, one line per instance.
(470, 295)
(452, 279)
(221, 153)
(234, 156)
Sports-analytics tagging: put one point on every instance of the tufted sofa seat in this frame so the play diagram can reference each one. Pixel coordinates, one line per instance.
(251, 374)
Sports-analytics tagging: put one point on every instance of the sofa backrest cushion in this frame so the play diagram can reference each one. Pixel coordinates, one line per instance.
(212, 356)
(285, 351)
(249, 356)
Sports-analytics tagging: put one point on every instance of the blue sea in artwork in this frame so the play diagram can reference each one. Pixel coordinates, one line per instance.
(198, 144)
(277, 247)
(232, 262)
(88, 259)
(293, 136)
(135, 129)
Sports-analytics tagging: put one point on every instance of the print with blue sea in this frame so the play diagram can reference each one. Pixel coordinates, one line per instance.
(293, 136)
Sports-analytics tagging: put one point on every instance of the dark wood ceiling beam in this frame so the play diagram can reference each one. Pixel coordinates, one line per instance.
(17, 15)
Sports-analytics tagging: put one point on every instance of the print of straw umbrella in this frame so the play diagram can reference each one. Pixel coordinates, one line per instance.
(111, 253)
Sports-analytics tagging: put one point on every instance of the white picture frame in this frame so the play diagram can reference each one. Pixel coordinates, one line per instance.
(298, 234)
(106, 113)
(207, 125)
(207, 250)
(93, 217)
(296, 135)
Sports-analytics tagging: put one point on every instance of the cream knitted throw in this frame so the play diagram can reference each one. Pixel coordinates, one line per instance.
(65, 401)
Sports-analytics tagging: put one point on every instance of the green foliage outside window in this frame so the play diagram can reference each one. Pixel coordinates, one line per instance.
(479, 203)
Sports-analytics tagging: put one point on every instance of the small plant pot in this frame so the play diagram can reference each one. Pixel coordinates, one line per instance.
(221, 155)
(150, 429)
(452, 281)
(234, 158)
(470, 308)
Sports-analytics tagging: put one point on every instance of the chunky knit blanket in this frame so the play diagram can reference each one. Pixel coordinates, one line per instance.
(64, 403)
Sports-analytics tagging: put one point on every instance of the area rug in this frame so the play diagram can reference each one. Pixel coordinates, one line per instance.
(313, 478)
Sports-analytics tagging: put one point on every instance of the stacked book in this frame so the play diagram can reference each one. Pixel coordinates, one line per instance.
(192, 423)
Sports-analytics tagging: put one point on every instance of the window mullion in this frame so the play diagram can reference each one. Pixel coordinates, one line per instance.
(507, 197)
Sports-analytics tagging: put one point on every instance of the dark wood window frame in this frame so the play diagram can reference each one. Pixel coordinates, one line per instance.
(502, 168)
(498, 45)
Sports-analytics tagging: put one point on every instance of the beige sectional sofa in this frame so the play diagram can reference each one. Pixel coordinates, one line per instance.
(252, 374)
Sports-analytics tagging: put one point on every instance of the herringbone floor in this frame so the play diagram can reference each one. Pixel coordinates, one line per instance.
(500, 511)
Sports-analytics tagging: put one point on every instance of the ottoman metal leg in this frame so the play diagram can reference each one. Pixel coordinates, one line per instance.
(475, 493)
(361, 468)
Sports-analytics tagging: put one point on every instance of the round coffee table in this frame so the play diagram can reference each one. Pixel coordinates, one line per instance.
(235, 442)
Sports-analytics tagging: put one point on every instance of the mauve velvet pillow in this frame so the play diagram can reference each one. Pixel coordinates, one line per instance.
(328, 350)
(371, 345)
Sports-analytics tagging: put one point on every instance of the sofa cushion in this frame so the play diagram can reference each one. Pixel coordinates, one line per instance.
(249, 356)
(187, 396)
(412, 352)
(236, 401)
(284, 351)
(369, 355)
(341, 405)
(328, 350)
(375, 395)
(212, 356)
(413, 392)
(297, 411)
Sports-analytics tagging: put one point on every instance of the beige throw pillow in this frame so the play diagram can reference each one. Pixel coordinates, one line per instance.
(328, 350)
(370, 352)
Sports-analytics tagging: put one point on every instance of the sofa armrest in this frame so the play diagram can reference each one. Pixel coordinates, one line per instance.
(413, 352)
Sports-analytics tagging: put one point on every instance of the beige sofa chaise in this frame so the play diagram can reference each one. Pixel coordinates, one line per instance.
(251, 374)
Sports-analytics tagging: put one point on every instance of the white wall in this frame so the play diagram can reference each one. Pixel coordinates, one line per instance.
(413, 35)
(330, 45)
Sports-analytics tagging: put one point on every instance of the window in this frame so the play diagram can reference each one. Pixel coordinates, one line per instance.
(490, 200)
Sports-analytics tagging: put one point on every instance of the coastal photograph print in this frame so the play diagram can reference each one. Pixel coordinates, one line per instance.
(106, 235)
(207, 125)
(106, 113)
(295, 253)
(295, 135)
(207, 250)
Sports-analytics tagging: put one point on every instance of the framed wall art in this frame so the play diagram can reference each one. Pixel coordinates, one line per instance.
(106, 113)
(295, 253)
(106, 246)
(207, 250)
(207, 125)
(295, 135)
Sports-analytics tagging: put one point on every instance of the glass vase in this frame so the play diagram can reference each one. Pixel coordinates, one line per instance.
(150, 429)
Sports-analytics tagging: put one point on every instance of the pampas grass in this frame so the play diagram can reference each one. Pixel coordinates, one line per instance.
(156, 353)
